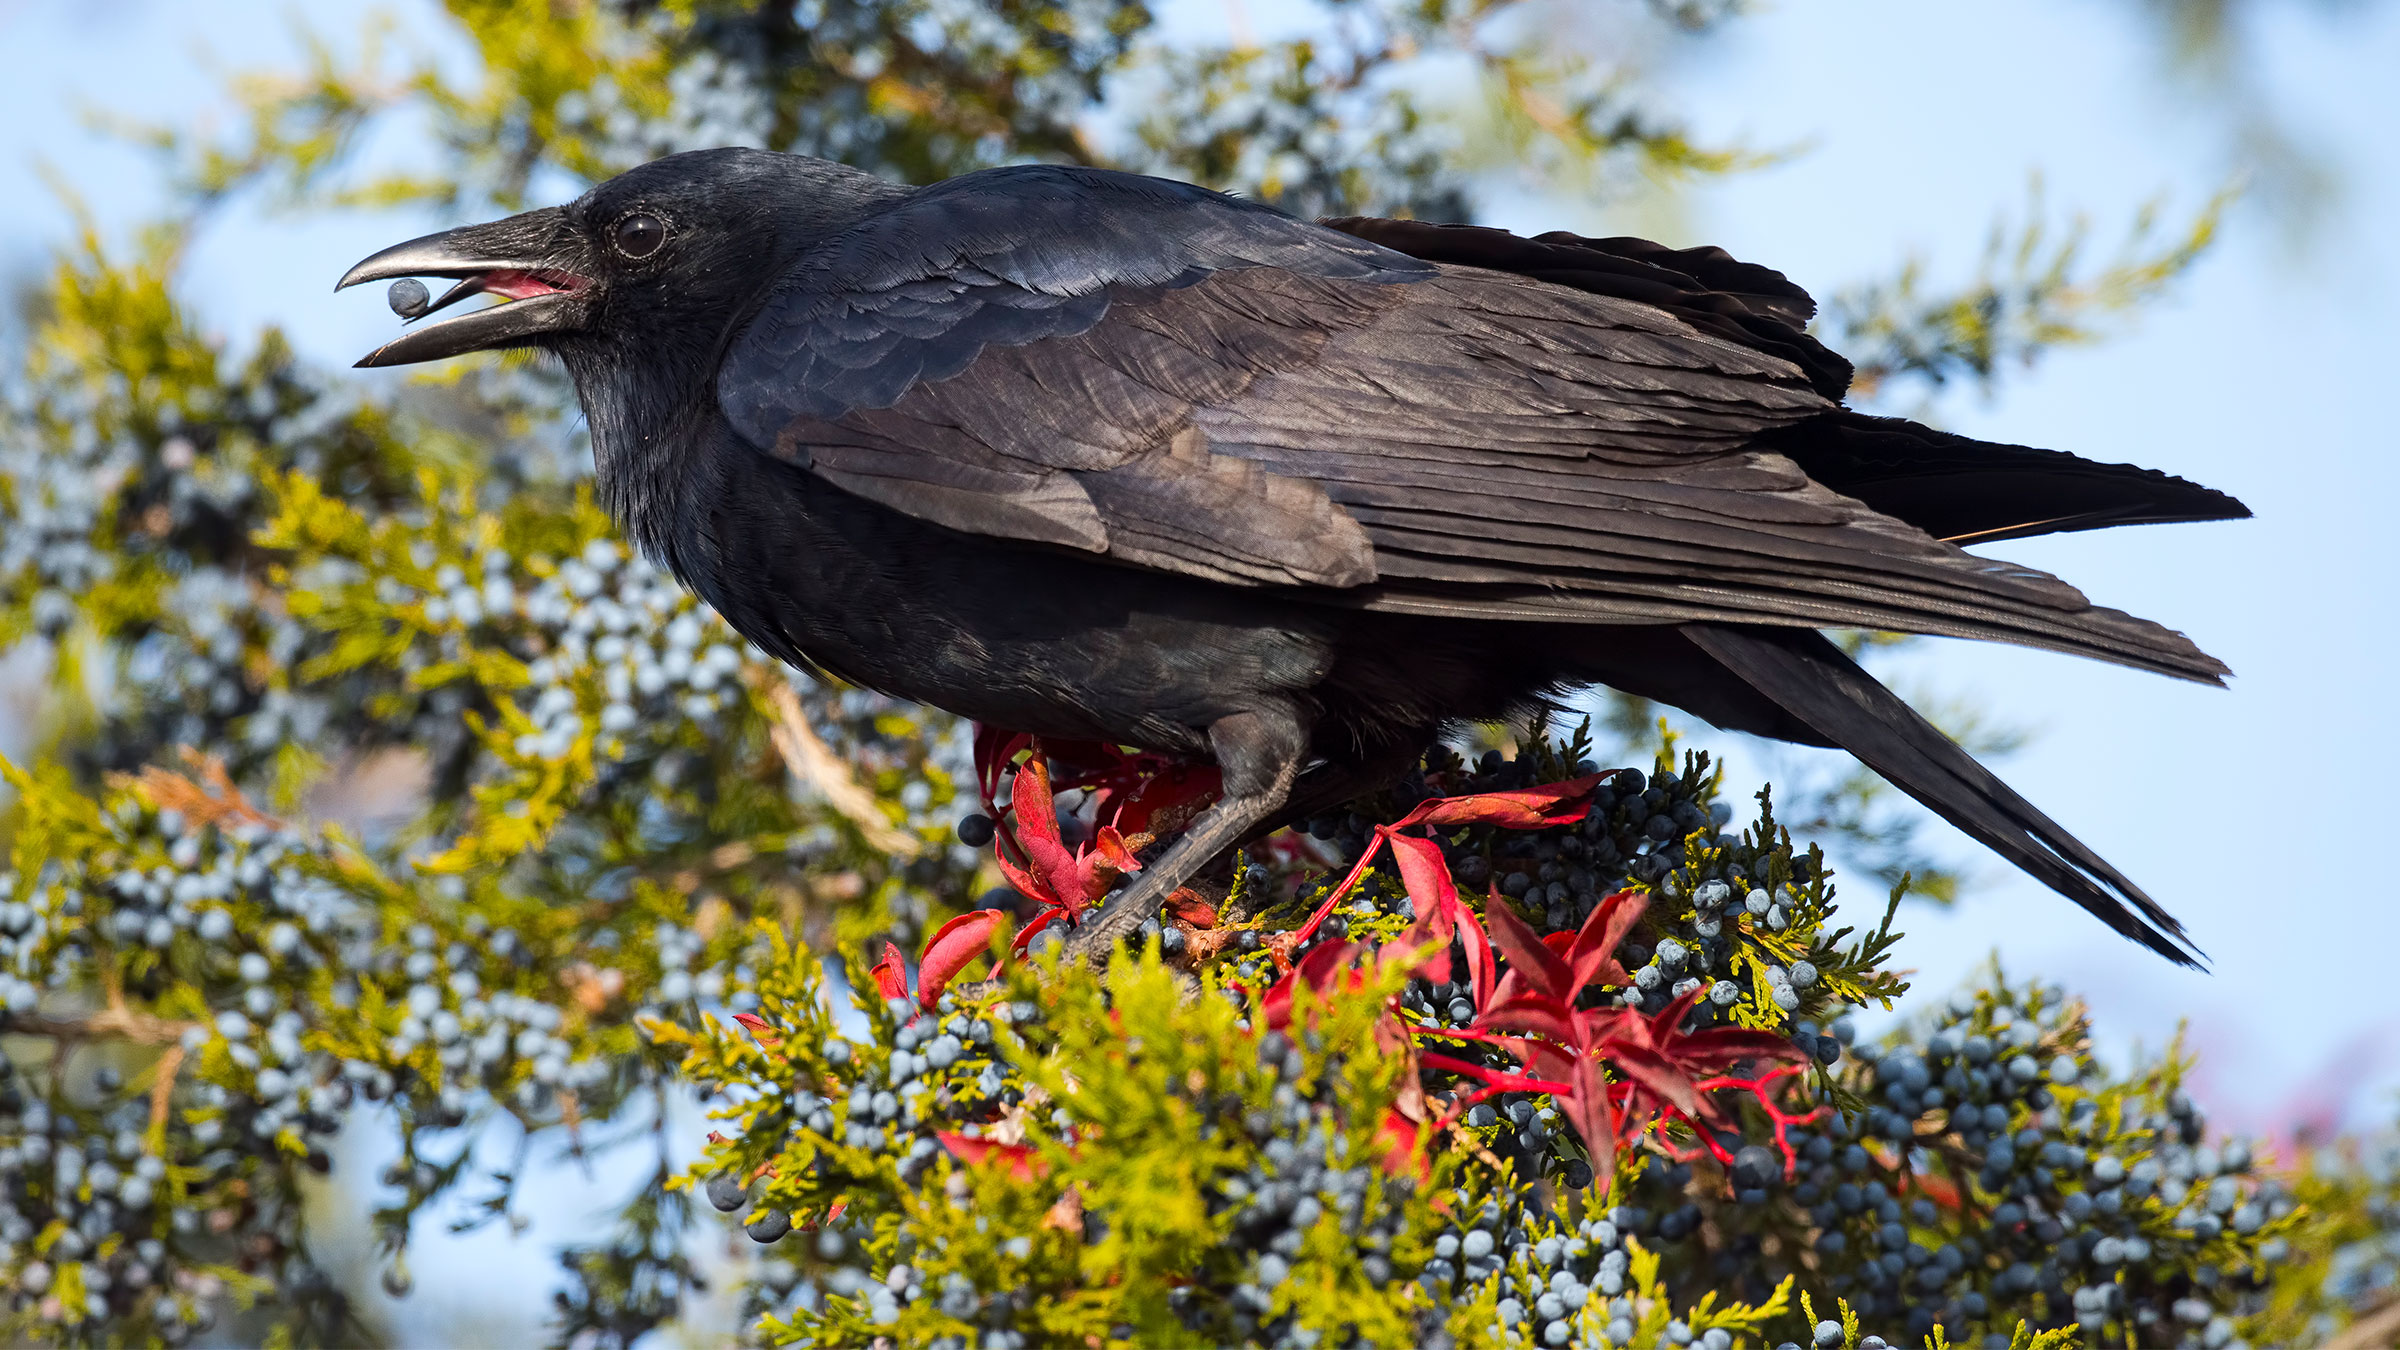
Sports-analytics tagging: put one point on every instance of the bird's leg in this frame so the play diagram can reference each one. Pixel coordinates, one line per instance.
(1259, 753)
(1337, 783)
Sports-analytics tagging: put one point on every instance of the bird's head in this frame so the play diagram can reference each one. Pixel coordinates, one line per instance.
(637, 287)
(651, 268)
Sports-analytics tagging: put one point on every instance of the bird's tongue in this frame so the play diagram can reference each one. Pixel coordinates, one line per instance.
(517, 285)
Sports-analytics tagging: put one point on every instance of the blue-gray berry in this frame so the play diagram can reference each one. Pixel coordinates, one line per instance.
(409, 298)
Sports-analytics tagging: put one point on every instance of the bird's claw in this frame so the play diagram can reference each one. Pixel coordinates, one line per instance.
(1119, 916)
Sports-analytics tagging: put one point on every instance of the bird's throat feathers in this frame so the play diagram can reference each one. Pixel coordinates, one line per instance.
(647, 417)
(645, 365)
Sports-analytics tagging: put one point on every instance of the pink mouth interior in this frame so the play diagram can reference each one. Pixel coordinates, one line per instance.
(522, 285)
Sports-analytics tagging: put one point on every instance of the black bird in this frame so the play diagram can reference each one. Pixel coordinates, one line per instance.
(1101, 456)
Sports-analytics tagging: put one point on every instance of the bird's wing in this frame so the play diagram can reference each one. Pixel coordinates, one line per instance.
(1187, 383)
(1707, 288)
(974, 357)
(1951, 487)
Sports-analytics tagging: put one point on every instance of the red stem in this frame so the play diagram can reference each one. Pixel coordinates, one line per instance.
(1334, 896)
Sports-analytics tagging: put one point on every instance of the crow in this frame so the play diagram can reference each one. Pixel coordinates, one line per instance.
(1109, 457)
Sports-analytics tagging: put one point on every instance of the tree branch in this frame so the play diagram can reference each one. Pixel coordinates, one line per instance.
(813, 762)
(162, 1088)
(2374, 1331)
(117, 1022)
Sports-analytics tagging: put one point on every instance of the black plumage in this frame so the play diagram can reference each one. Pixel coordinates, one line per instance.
(1095, 455)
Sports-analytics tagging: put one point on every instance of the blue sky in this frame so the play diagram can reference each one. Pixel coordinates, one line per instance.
(2267, 376)
(2249, 812)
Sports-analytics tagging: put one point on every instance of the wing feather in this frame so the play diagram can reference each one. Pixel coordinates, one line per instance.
(1184, 383)
(1194, 511)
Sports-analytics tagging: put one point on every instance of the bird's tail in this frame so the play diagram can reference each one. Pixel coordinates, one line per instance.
(1977, 492)
(1809, 678)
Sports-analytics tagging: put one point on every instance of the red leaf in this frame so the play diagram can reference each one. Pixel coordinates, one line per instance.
(1655, 1074)
(1111, 845)
(1519, 809)
(1666, 1025)
(1491, 1077)
(1941, 1190)
(1424, 873)
(1723, 1047)
(1559, 944)
(1426, 877)
(1479, 953)
(1585, 1108)
(1024, 1163)
(1276, 1005)
(1027, 884)
(1035, 813)
(760, 1029)
(1593, 953)
(995, 747)
(1536, 964)
(1316, 970)
(1041, 921)
(1545, 1016)
(949, 950)
(1549, 1059)
(1606, 1028)
(1186, 906)
(1051, 874)
(1165, 793)
(1610, 1027)
(1322, 961)
(1513, 987)
(1400, 1155)
(1423, 939)
(891, 973)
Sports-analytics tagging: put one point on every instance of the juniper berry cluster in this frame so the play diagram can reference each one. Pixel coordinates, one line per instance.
(1986, 1171)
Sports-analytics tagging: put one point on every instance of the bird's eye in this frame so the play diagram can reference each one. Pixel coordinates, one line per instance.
(640, 234)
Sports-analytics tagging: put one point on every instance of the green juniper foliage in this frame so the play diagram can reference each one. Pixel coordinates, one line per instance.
(372, 785)
(1980, 1173)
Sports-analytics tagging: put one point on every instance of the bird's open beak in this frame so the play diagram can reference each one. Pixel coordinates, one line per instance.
(534, 259)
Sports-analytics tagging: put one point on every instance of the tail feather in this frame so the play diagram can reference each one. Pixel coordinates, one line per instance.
(1808, 677)
(1980, 492)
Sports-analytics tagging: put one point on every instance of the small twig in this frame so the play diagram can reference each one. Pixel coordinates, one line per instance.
(813, 762)
(119, 1022)
(162, 1087)
(211, 798)
(2377, 1330)
(570, 1114)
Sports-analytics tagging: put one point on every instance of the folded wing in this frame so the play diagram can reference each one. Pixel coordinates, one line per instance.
(1180, 381)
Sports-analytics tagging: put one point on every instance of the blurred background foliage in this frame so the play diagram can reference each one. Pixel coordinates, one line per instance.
(530, 779)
